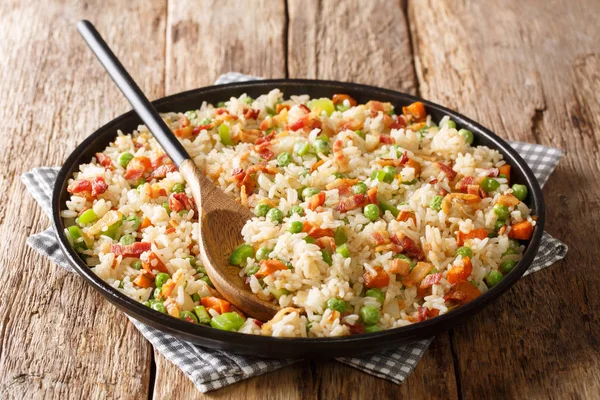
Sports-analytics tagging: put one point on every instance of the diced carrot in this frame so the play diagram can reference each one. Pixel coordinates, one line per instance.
(474, 234)
(316, 165)
(144, 280)
(339, 99)
(219, 305)
(153, 262)
(415, 110)
(379, 280)
(406, 215)
(145, 223)
(399, 266)
(316, 201)
(267, 267)
(419, 272)
(463, 292)
(505, 170)
(460, 273)
(521, 231)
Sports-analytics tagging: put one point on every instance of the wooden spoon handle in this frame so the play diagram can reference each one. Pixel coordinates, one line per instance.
(133, 93)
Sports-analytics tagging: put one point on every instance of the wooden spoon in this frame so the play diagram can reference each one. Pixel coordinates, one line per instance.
(220, 218)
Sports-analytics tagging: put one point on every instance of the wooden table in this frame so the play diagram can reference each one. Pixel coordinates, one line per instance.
(529, 70)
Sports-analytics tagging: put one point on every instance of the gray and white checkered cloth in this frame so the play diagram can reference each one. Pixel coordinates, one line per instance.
(212, 369)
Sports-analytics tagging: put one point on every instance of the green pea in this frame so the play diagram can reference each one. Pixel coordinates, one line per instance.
(277, 293)
(510, 251)
(464, 251)
(372, 329)
(229, 321)
(493, 278)
(326, 257)
(501, 211)
(240, 254)
(296, 227)
(165, 205)
(520, 191)
(450, 124)
(263, 253)
(467, 134)
(507, 266)
(261, 210)
(343, 250)
(158, 306)
(340, 236)
(178, 188)
(284, 159)
(301, 148)
(371, 211)
(253, 270)
(336, 304)
(188, 316)
(385, 206)
(135, 222)
(310, 240)
(361, 134)
(87, 217)
(308, 192)
(370, 315)
(297, 210)
(359, 188)
(499, 224)
(76, 233)
(275, 215)
(208, 281)
(137, 264)
(202, 314)
(124, 159)
(161, 279)
(376, 293)
(341, 107)
(436, 203)
(321, 146)
(390, 173)
(195, 297)
(127, 240)
(205, 121)
(319, 105)
(489, 184)
(225, 135)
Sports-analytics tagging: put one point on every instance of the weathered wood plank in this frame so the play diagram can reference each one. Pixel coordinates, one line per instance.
(59, 338)
(365, 42)
(204, 40)
(211, 37)
(356, 41)
(529, 70)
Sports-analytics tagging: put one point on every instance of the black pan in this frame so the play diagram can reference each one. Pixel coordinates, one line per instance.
(283, 347)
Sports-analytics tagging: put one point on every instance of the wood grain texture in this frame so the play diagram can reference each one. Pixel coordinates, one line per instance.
(365, 42)
(59, 338)
(211, 37)
(356, 41)
(250, 39)
(529, 71)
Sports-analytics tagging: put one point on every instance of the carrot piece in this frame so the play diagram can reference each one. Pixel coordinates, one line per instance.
(460, 273)
(267, 267)
(153, 262)
(339, 99)
(144, 280)
(415, 110)
(463, 292)
(219, 305)
(145, 223)
(521, 231)
(399, 266)
(379, 280)
(474, 234)
(505, 170)
(406, 215)
(316, 201)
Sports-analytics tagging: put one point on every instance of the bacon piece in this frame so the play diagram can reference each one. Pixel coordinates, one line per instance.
(339, 99)
(462, 292)
(80, 187)
(410, 248)
(381, 237)
(316, 200)
(340, 157)
(181, 201)
(297, 125)
(248, 135)
(99, 186)
(343, 185)
(133, 250)
(162, 171)
(433, 181)
(265, 139)
(352, 125)
(463, 184)
(266, 154)
(201, 128)
(450, 173)
(474, 189)
(426, 313)
(137, 167)
(318, 233)
(357, 329)
(352, 202)
(304, 108)
(375, 106)
(250, 113)
(430, 280)
(372, 195)
(386, 139)
(326, 243)
(398, 123)
(104, 160)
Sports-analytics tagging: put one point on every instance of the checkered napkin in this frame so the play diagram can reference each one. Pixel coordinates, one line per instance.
(212, 369)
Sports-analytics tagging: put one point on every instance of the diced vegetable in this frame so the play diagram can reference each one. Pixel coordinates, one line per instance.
(379, 278)
(375, 293)
(219, 305)
(319, 105)
(301, 148)
(263, 253)
(127, 240)
(87, 217)
(460, 273)
(284, 159)
(505, 170)
(467, 134)
(309, 192)
(359, 188)
(507, 266)
(297, 210)
(521, 230)
(262, 209)
(343, 250)
(267, 267)
(417, 274)
(474, 234)
(520, 191)
(326, 257)
(372, 328)
(386, 206)
(240, 254)
(436, 203)
(371, 211)
(501, 211)
(124, 159)
(489, 184)
(161, 279)
(493, 278)
(188, 316)
(296, 227)
(340, 236)
(277, 293)
(229, 321)
(275, 215)
(178, 188)
(225, 135)
(370, 315)
(336, 304)
(202, 314)
(158, 306)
